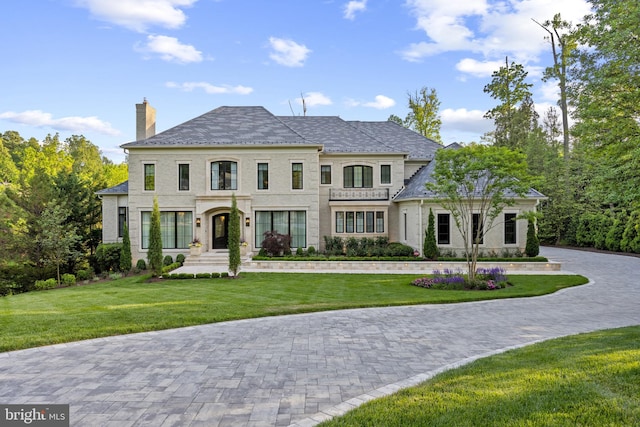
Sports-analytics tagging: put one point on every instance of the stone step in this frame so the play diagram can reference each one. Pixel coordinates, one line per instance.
(213, 258)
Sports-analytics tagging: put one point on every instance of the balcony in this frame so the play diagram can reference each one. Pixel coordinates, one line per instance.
(353, 194)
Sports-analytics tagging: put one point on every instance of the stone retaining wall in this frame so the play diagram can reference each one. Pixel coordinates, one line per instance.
(426, 267)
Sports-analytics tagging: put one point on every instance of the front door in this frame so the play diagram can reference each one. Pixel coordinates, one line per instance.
(220, 231)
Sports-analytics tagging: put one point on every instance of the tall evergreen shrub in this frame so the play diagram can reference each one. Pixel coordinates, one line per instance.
(154, 254)
(532, 247)
(430, 247)
(234, 237)
(125, 251)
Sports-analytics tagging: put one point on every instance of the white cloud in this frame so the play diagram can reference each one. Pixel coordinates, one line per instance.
(171, 50)
(381, 102)
(463, 120)
(312, 99)
(39, 118)
(492, 28)
(478, 68)
(210, 89)
(354, 6)
(287, 52)
(138, 15)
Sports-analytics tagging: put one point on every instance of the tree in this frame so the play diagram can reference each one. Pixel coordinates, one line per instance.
(561, 46)
(58, 237)
(125, 252)
(234, 237)
(604, 89)
(423, 115)
(154, 253)
(509, 87)
(430, 247)
(477, 180)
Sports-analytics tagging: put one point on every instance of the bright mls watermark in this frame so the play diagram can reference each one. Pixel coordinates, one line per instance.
(34, 415)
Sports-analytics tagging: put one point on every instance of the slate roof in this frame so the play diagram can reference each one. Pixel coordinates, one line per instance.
(257, 126)
(416, 187)
(400, 138)
(122, 188)
(336, 135)
(225, 126)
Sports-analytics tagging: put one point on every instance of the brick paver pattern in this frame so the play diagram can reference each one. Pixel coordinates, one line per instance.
(302, 369)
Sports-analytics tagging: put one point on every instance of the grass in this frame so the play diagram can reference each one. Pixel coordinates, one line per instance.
(132, 305)
(584, 380)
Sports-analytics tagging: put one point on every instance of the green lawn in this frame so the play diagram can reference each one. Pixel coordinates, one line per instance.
(583, 380)
(133, 305)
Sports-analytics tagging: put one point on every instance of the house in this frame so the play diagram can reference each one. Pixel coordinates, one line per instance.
(308, 177)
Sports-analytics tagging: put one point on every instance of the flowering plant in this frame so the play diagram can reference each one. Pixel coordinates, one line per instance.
(243, 242)
(195, 242)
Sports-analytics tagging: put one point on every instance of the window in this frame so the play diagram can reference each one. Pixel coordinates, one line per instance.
(296, 176)
(360, 222)
(379, 222)
(477, 229)
(358, 177)
(183, 177)
(122, 220)
(339, 222)
(370, 222)
(224, 175)
(385, 174)
(444, 236)
(293, 223)
(149, 177)
(509, 228)
(325, 174)
(263, 176)
(176, 228)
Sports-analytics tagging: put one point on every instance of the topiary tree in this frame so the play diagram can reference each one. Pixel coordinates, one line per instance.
(532, 247)
(125, 251)
(234, 238)
(430, 247)
(154, 254)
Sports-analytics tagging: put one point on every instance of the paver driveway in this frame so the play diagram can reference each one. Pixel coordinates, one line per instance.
(297, 369)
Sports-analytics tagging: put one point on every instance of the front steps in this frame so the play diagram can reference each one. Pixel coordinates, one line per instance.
(217, 259)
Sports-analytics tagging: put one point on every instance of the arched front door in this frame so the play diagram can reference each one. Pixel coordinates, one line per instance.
(220, 231)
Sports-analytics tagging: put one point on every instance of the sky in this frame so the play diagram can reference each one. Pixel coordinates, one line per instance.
(78, 67)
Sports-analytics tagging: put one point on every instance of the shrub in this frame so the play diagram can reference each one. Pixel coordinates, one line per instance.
(42, 285)
(398, 249)
(532, 247)
(311, 251)
(170, 267)
(614, 235)
(333, 245)
(430, 247)
(167, 260)
(84, 274)
(224, 274)
(203, 275)
(180, 259)
(141, 265)
(215, 275)
(108, 256)
(68, 279)
(125, 253)
(631, 235)
(115, 276)
(299, 252)
(276, 244)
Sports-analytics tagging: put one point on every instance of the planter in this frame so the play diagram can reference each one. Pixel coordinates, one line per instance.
(195, 250)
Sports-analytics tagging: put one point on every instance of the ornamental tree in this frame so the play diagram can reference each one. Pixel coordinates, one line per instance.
(481, 180)
(430, 247)
(154, 254)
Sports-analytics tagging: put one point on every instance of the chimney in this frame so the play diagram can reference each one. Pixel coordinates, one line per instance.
(145, 120)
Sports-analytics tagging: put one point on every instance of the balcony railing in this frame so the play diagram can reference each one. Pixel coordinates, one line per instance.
(359, 194)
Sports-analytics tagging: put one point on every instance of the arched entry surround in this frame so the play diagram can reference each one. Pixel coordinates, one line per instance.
(218, 228)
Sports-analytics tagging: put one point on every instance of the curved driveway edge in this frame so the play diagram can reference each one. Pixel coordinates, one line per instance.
(301, 369)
